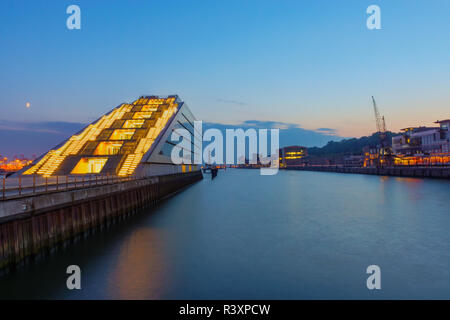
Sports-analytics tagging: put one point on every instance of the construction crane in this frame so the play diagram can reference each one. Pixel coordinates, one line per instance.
(384, 150)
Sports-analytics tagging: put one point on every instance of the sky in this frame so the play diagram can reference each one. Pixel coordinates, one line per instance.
(39, 137)
(312, 65)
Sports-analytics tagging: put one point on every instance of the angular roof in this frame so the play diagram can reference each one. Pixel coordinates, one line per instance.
(115, 144)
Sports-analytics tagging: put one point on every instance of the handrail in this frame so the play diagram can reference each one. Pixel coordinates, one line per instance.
(36, 185)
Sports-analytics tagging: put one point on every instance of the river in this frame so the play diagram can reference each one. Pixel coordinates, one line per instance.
(294, 235)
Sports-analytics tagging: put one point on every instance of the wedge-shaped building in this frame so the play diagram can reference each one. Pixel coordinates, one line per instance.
(132, 139)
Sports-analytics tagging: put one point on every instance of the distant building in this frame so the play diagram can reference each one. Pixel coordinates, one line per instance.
(131, 139)
(353, 161)
(292, 156)
(423, 140)
(371, 156)
(423, 145)
(13, 165)
(414, 141)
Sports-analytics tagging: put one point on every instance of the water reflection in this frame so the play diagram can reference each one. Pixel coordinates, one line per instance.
(294, 235)
(141, 270)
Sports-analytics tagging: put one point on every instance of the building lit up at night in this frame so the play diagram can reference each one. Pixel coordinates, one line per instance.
(292, 156)
(132, 139)
(423, 145)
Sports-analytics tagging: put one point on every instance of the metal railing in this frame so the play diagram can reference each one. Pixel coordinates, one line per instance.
(13, 187)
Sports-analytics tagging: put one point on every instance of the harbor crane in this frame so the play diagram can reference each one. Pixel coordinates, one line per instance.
(384, 149)
(381, 124)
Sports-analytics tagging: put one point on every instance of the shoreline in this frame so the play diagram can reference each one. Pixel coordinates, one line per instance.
(410, 172)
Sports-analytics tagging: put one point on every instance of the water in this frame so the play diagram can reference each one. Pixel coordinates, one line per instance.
(295, 235)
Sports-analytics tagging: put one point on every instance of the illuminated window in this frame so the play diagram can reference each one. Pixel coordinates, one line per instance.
(133, 124)
(140, 101)
(149, 108)
(295, 153)
(120, 134)
(89, 165)
(142, 115)
(108, 148)
(156, 101)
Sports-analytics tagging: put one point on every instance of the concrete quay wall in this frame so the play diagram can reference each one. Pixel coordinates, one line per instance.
(33, 224)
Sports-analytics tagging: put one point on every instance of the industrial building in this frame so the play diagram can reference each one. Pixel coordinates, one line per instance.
(132, 139)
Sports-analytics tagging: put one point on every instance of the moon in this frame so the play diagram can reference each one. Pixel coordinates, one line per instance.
(27, 104)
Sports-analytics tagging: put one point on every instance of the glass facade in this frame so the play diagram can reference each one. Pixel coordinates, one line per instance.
(89, 165)
(117, 142)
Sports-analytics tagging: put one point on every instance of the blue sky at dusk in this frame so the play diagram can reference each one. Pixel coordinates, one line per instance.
(308, 63)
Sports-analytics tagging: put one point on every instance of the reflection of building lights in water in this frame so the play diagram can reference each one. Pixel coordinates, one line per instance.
(414, 189)
(140, 269)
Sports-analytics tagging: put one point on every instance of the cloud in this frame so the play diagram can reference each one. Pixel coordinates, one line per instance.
(56, 127)
(239, 103)
(268, 125)
(33, 138)
(290, 133)
(327, 131)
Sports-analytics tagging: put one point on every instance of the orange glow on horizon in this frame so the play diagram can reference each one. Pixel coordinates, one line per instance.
(13, 165)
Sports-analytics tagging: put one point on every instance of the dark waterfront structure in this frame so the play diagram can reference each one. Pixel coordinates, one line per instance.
(413, 172)
(117, 164)
(353, 161)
